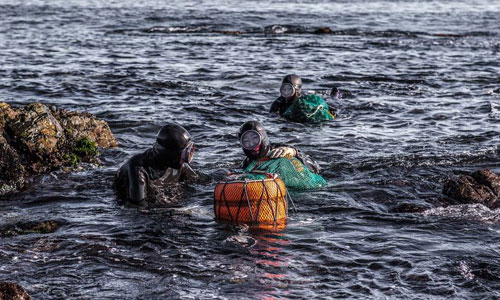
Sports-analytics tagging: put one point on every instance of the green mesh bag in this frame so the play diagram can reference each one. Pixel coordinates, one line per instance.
(252, 176)
(293, 172)
(309, 108)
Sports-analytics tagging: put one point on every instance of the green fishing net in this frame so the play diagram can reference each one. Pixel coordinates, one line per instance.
(293, 172)
(252, 176)
(309, 108)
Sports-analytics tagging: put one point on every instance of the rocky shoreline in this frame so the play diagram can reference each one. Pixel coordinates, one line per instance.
(36, 139)
(12, 291)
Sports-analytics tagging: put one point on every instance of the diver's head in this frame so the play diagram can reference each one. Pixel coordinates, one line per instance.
(291, 87)
(335, 93)
(254, 140)
(173, 146)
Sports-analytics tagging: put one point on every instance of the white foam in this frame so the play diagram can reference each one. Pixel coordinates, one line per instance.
(476, 212)
(465, 270)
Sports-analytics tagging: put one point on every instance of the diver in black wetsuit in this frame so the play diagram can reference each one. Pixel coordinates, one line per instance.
(255, 143)
(145, 176)
(291, 91)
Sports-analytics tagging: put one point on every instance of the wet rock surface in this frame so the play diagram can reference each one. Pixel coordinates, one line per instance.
(482, 187)
(11, 169)
(36, 139)
(21, 228)
(323, 30)
(38, 136)
(230, 32)
(79, 125)
(12, 291)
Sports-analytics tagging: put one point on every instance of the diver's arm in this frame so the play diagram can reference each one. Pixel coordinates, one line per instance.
(190, 175)
(335, 94)
(245, 163)
(304, 158)
(282, 151)
(332, 110)
(308, 162)
(136, 185)
(275, 107)
(279, 105)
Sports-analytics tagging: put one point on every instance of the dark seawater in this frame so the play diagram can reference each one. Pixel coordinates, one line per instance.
(421, 102)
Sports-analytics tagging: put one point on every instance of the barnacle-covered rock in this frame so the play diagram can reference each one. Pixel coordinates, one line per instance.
(6, 114)
(11, 169)
(78, 126)
(36, 139)
(38, 136)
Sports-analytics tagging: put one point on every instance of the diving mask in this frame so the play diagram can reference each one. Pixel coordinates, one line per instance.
(251, 140)
(188, 153)
(288, 90)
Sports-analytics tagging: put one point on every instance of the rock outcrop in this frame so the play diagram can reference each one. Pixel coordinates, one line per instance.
(323, 30)
(36, 139)
(11, 169)
(12, 291)
(482, 187)
(22, 228)
(230, 32)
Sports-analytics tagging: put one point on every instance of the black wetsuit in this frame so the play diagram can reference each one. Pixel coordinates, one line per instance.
(146, 178)
(280, 105)
(304, 158)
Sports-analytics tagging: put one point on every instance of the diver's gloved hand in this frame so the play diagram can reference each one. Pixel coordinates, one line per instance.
(282, 151)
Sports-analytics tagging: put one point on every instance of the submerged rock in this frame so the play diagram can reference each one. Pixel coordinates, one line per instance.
(230, 32)
(12, 291)
(36, 139)
(481, 187)
(29, 227)
(323, 30)
(489, 179)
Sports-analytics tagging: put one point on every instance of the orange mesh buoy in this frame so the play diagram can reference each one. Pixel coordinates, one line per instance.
(258, 202)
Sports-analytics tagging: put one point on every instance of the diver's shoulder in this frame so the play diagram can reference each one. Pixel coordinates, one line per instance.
(275, 106)
(136, 160)
(280, 99)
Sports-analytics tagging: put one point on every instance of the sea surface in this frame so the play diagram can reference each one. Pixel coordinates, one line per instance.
(421, 103)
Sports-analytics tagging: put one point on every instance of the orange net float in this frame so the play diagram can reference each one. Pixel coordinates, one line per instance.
(261, 202)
